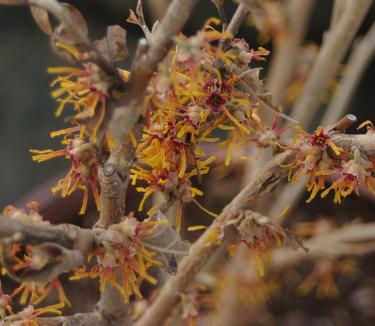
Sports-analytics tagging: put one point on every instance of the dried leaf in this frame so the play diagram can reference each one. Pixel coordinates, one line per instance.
(138, 19)
(41, 17)
(113, 46)
(67, 35)
(165, 237)
(132, 19)
(77, 19)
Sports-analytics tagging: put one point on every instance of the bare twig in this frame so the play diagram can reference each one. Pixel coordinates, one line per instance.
(352, 239)
(219, 4)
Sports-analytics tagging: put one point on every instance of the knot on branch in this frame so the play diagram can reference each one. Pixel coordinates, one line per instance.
(111, 181)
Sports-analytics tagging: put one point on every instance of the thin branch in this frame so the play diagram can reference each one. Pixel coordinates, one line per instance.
(219, 4)
(352, 239)
(67, 235)
(239, 16)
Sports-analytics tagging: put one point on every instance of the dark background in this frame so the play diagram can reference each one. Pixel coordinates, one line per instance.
(26, 108)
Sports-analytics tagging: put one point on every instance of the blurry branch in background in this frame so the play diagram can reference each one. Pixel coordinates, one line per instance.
(338, 9)
(286, 46)
(288, 34)
(335, 45)
(238, 18)
(360, 57)
(348, 240)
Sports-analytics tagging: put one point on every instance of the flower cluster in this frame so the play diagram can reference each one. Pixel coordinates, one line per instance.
(191, 102)
(83, 172)
(260, 235)
(27, 316)
(86, 90)
(322, 161)
(122, 261)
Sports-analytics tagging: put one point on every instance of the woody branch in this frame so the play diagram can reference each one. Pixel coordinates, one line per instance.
(205, 246)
